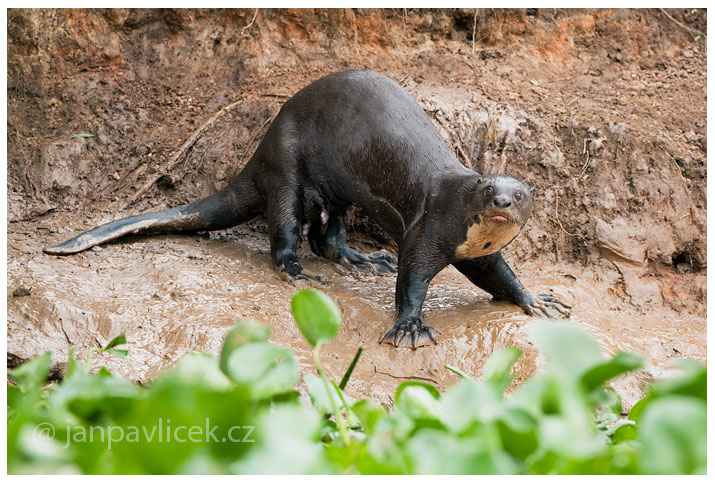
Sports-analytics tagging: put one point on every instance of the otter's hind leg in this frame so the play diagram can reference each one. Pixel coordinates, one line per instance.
(333, 245)
(284, 213)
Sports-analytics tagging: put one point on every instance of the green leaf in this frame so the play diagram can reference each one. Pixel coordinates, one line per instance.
(469, 401)
(569, 350)
(429, 387)
(604, 371)
(33, 374)
(82, 135)
(638, 408)
(436, 452)
(497, 368)
(319, 396)
(91, 395)
(241, 334)
(417, 401)
(196, 370)
(624, 431)
(606, 397)
(459, 372)
(122, 353)
(14, 397)
(518, 431)
(690, 381)
(673, 432)
(351, 368)
(368, 414)
(317, 316)
(286, 443)
(118, 340)
(72, 365)
(263, 369)
(536, 395)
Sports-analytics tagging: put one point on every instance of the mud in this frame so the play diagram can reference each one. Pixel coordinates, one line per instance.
(175, 294)
(604, 111)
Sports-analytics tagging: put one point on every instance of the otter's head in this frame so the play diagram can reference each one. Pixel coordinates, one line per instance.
(498, 208)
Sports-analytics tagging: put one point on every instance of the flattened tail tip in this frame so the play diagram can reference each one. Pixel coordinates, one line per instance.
(55, 250)
(61, 249)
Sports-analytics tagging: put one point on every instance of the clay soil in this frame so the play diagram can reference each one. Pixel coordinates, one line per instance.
(604, 111)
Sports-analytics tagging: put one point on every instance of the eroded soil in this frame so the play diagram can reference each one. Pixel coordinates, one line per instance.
(602, 110)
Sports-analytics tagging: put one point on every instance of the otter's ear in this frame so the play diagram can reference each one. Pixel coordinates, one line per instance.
(533, 192)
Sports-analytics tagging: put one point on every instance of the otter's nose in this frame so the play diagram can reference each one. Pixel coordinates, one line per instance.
(501, 201)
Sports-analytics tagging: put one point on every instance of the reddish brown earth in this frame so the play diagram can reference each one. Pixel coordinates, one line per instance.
(604, 111)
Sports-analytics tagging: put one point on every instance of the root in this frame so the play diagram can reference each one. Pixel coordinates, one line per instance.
(248, 27)
(681, 25)
(180, 154)
(559, 221)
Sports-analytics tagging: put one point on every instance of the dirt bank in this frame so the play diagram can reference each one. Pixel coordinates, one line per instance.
(603, 110)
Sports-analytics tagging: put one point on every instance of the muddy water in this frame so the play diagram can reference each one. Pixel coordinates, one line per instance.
(174, 294)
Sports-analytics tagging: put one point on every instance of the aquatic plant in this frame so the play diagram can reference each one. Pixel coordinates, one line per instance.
(241, 413)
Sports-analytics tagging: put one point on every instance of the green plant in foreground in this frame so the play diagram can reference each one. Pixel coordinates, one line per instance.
(240, 413)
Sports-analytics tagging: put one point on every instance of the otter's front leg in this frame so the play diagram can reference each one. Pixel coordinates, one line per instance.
(417, 266)
(492, 274)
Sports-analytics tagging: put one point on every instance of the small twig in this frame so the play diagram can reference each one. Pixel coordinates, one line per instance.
(395, 376)
(689, 29)
(250, 24)
(682, 179)
(206, 150)
(258, 131)
(464, 155)
(278, 96)
(585, 166)
(174, 160)
(559, 221)
(474, 30)
(588, 158)
(569, 103)
(404, 78)
(553, 19)
(355, 29)
(675, 162)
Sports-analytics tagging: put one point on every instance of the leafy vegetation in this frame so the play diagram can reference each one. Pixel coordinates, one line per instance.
(240, 413)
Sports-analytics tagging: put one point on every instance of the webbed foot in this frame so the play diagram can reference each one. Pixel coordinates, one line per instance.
(547, 306)
(409, 332)
(379, 262)
(293, 271)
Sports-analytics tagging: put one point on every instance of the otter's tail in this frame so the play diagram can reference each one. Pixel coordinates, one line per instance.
(235, 204)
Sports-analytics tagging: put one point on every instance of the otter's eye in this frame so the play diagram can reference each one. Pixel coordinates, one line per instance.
(518, 196)
(488, 192)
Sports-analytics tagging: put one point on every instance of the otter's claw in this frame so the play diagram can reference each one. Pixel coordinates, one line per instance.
(410, 332)
(294, 272)
(377, 262)
(547, 306)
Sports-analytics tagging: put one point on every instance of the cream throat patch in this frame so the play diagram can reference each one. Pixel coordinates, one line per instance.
(485, 237)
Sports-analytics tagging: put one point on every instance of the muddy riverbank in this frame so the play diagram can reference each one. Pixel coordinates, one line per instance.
(604, 111)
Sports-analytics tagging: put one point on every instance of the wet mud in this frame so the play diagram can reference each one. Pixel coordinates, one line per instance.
(173, 294)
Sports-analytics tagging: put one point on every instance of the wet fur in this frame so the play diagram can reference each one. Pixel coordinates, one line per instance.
(355, 138)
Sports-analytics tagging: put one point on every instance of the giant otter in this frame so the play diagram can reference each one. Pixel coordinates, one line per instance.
(357, 138)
